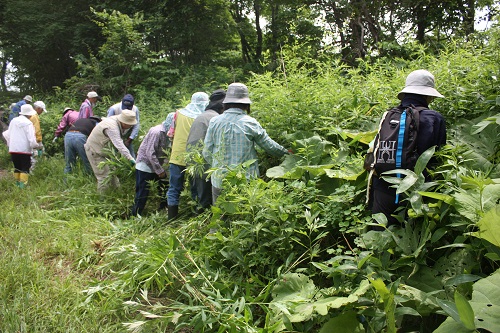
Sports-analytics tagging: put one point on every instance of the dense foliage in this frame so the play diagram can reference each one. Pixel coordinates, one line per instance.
(153, 43)
(292, 251)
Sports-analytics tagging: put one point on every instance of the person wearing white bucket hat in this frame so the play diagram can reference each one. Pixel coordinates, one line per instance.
(419, 91)
(87, 107)
(109, 130)
(232, 136)
(21, 141)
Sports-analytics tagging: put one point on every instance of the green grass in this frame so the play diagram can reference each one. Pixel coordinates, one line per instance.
(50, 244)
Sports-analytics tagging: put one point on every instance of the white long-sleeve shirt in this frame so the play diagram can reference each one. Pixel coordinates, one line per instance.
(21, 136)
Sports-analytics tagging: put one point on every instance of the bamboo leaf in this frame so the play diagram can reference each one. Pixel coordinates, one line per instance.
(465, 311)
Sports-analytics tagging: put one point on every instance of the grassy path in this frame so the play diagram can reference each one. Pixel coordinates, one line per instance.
(48, 253)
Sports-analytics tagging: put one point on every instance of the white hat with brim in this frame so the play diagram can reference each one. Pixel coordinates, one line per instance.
(92, 94)
(237, 93)
(40, 104)
(420, 82)
(127, 117)
(27, 110)
(28, 98)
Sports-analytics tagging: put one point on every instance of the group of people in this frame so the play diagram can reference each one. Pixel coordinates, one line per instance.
(218, 126)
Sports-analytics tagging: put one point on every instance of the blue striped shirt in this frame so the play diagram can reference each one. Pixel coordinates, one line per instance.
(230, 141)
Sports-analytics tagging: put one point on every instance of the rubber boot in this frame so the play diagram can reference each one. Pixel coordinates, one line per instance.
(173, 211)
(23, 180)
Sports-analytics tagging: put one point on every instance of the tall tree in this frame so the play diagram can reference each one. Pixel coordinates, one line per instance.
(41, 38)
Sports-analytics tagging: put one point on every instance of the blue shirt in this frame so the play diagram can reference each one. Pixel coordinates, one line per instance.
(230, 141)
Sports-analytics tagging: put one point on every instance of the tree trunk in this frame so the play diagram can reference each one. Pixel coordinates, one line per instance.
(258, 29)
(470, 13)
(274, 32)
(3, 74)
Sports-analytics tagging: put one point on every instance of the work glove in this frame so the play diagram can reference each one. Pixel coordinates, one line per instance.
(39, 152)
(132, 162)
(55, 139)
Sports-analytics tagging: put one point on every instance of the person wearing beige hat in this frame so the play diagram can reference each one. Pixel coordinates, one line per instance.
(419, 92)
(21, 141)
(108, 132)
(87, 107)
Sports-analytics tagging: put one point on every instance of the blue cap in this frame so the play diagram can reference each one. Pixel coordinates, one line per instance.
(127, 102)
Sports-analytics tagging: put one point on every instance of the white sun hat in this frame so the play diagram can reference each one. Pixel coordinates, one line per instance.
(420, 82)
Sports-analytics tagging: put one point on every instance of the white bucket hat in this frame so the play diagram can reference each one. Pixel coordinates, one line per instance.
(27, 110)
(127, 117)
(92, 94)
(420, 82)
(237, 93)
(28, 98)
(40, 104)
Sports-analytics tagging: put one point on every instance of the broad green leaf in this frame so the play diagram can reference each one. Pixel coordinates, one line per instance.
(450, 308)
(363, 137)
(406, 311)
(424, 159)
(344, 173)
(424, 303)
(462, 278)
(465, 311)
(294, 287)
(438, 234)
(485, 303)
(347, 322)
(439, 196)
(489, 226)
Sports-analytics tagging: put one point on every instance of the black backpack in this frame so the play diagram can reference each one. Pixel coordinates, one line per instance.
(395, 145)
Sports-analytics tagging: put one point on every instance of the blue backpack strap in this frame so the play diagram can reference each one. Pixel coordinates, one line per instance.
(399, 150)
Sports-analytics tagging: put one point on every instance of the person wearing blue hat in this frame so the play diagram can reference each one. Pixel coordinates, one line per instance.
(127, 103)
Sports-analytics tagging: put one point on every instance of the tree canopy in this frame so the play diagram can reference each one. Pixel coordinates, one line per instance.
(49, 42)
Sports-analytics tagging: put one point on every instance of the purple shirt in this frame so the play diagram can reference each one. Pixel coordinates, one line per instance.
(67, 120)
(86, 110)
(151, 150)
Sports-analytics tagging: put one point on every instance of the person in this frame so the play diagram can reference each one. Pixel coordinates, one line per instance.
(16, 108)
(127, 103)
(68, 118)
(201, 183)
(21, 141)
(183, 120)
(108, 130)
(419, 91)
(149, 166)
(87, 107)
(74, 143)
(39, 107)
(232, 136)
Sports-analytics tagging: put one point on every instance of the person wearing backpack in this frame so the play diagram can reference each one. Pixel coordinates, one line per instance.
(417, 129)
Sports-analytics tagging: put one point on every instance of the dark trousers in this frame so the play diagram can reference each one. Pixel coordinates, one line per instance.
(202, 190)
(22, 162)
(384, 200)
(142, 180)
